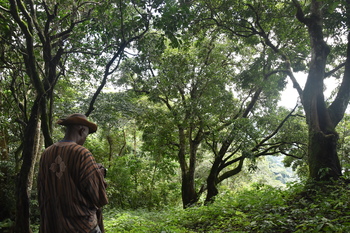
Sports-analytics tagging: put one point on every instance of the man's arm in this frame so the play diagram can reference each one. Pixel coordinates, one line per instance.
(92, 181)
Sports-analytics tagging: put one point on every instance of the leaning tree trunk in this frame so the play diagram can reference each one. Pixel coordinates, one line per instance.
(212, 181)
(215, 178)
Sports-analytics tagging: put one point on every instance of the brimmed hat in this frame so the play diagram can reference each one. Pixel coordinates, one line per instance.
(78, 119)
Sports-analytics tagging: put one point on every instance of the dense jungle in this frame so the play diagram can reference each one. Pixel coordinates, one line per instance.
(187, 98)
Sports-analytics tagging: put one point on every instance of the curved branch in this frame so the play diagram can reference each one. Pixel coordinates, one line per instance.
(110, 63)
(4, 9)
(233, 171)
(105, 76)
(261, 143)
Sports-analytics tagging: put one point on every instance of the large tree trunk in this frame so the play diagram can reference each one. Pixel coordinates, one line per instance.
(188, 190)
(323, 159)
(322, 151)
(322, 154)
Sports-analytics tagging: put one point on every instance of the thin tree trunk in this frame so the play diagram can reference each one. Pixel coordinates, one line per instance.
(5, 212)
(110, 153)
(39, 141)
(22, 224)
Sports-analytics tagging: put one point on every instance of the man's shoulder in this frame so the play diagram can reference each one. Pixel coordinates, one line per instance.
(80, 148)
(71, 145)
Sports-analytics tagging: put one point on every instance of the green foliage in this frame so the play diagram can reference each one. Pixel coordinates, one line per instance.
(344, 146)
(194, 87)
(138, 182)
(204, 60)
(7, 191)
(140, 221)
(316, 208)
(6, 225)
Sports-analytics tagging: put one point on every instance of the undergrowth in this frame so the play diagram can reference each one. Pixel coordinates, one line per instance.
(299, 208)
(313, 207)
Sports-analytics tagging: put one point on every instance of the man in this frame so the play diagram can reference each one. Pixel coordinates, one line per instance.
(71, 184)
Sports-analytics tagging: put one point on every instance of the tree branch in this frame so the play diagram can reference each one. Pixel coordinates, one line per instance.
(329, 73)
(341, 101)
(233, 171)
(274, 132)
(105, 76)
(300, 14)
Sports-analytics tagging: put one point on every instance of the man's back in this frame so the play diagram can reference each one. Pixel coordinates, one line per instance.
(71, 188)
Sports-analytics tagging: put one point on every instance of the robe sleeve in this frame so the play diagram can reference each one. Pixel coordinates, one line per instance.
(92, 183)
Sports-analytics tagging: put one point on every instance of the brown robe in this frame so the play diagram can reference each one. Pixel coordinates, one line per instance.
(71, 189)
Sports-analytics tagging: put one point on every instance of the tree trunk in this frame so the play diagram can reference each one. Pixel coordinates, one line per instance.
(22, 224)
(215, 178)
(189, 194)
(4, 154)
(188, 190)
(323, 159)
(212, 182)
(5, 179)
(38, 143)
(322, 153)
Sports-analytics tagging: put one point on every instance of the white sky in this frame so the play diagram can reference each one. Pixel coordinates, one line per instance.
(290, 95)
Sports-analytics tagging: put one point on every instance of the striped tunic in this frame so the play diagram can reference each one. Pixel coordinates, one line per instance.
(71, 189)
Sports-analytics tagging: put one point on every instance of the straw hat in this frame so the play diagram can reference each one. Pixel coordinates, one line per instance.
(78, 119)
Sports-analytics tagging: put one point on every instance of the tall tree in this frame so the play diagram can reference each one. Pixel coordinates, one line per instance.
(322, 119)
(300, 44)
(39, 32)
(180, 83)
(196, 111)
(60, 39)
(115, 30)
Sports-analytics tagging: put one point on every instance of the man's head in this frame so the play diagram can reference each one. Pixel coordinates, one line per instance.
(78, 127)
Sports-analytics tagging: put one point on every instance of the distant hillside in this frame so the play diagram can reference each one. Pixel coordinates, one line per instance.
(282, 173)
